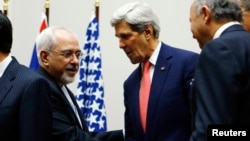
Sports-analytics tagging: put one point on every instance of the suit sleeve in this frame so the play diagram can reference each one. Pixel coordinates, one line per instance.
(214, 88)
(115, 135)
(190, 65)
(65, 130)
(35, 118)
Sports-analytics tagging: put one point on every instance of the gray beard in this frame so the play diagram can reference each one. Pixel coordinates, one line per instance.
(65, 79)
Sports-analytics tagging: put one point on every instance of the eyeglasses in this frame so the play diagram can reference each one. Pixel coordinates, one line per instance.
(68, 53)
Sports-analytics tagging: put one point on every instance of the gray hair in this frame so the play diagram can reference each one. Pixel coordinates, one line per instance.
(138, 15)
(245, 4)
(221, 9)
(46, 40)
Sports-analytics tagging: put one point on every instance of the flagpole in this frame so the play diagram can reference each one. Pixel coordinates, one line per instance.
(5, 7)
(97, 5)
(47, 5)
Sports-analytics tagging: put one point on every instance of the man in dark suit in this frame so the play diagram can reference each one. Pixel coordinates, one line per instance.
(25, 112)
(222, 77)
(59, 55)
(167, 116)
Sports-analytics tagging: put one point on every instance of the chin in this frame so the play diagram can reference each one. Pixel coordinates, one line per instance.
(67, 79)
(134, 62)
(201, 46)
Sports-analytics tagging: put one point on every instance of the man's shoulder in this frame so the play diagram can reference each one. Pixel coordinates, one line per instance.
(178, 49)
(20, 70)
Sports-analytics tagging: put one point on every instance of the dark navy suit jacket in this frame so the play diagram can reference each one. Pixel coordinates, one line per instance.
(222, 82)
(25, 112)
(66, 126)
(168, 117)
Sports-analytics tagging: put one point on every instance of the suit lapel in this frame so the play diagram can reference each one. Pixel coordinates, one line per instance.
(4, 87)
(131, 97)
(84, 126)
(160, 75)
(60, 94)
(136, 97)
(69, 108)
(7, 78)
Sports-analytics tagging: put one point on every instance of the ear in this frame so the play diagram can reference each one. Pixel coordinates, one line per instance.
(148, 32)
(44, 57)
(206, 13)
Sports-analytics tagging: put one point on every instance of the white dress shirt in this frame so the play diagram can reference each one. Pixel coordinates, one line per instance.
(4, 64)
(66, 93)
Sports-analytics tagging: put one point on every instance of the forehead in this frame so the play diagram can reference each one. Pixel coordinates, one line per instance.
(193, 10)
(63, 34)
(193, 7)
(67, 42)
(122, 27)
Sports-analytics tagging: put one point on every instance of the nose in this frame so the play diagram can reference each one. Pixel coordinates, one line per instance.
(121, 44)
(75, 59)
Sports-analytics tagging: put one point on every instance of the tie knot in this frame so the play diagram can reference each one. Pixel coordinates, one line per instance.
(146, 66)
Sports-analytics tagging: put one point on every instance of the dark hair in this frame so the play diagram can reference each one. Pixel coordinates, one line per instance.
(5, 33)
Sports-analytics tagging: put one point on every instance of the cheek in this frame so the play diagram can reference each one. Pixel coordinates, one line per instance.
(246, 23)
(59, 65)
(130, 42)
(140, 50)
(193, 29)
(197, 29)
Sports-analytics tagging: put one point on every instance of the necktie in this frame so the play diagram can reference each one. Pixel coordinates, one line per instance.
(144, 93)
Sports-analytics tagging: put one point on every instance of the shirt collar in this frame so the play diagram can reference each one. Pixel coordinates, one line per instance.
(223, 28)
(154, 56)
(4, 64)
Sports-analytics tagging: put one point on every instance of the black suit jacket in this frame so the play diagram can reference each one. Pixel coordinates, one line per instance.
(25, 112)
(65, 123)
(168, 116)
(222, 82)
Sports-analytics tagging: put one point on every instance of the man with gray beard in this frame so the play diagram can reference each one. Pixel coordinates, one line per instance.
(59, 56)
